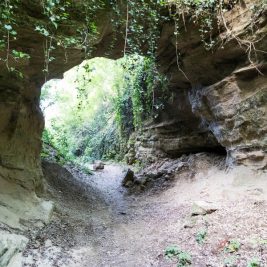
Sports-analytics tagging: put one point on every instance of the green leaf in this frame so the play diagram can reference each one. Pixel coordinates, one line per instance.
(8, 27)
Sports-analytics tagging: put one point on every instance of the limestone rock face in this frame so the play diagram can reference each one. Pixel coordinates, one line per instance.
(21, 124)
(21, 120)
(21, 209)
(218, 103)
(11, 247)
(235, 110)
(172, 139)
(219, 98)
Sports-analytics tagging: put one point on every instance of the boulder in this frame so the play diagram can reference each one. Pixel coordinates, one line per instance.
(202, 208)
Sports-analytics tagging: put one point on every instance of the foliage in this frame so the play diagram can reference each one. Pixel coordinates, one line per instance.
(173, 252)
(201, 236)
(8, 10)
(79, 111)
(144, 17)
(136, 101)
(97, 111)
(56, 13)
(233, 246)
(254, 263)
(137, 21)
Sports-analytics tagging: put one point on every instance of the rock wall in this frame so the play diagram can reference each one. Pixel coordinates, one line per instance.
(235, 111)
(21, 120)
(21, 124)
(219, 97)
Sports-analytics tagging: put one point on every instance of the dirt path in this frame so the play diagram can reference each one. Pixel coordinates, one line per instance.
(97, 223)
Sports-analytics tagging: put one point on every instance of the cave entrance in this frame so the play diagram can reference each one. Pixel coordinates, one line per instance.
(80, 112)
(91, 112)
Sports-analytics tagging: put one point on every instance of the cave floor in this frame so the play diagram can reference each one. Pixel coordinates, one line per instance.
(96, 222)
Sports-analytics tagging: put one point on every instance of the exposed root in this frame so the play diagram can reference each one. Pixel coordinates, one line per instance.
(247, 45)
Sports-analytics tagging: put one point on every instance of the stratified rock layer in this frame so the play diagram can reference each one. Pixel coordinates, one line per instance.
(21, 124)
(235, 110)
(218, 99)
(11, 247)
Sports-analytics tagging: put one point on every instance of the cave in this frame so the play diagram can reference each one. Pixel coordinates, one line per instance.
(212, 103)
(218, 98)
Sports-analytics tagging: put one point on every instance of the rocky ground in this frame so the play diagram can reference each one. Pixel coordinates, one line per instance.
(98, 223)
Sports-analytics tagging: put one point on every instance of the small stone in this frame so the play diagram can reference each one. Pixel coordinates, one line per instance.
(189, 223)
(256, 191)
(202, 208)
(142, 180)
(98, 165)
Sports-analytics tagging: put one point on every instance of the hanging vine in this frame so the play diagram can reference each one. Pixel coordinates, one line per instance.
(209, 16)
(138, 21)
(141, 83)
(55, 11)
(9, 34)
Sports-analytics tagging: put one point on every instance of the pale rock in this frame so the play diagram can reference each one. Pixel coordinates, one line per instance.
(203, 207)
(11, 247)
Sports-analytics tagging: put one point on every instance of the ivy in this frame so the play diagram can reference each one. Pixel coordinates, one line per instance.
(144, 18)
(89, 31)
(137, 21)
(138, 102)
(9, 34)
(56, 13)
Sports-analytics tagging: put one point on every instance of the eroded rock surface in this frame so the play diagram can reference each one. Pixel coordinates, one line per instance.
(162, 173)
(21, 124)
(235, 110)
(11, 247)
(20, 210)
(218, 101)
(220, 104)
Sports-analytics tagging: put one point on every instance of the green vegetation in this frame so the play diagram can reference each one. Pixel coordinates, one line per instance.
(138, 22)
(91, 113)
(8, 34)
(254, 263)
(201, 236)
(233, 246)
(183, 257)
(142, 82)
